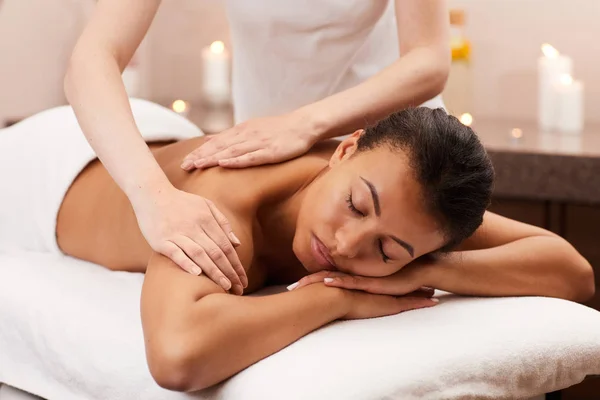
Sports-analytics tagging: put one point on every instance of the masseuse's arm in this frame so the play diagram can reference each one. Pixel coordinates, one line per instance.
(502, 258)
(180, 225)
(417, 76)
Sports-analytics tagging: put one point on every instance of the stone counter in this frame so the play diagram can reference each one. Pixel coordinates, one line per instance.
(531, 164)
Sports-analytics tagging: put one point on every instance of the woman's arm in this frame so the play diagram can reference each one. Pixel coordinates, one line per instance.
(509, 258)
(502, 258)
(419, 75)
(197, 335)
(182, 226)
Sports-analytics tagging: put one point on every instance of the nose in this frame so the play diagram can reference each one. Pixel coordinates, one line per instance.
(350, 240)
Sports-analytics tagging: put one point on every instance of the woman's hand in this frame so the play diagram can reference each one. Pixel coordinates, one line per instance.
(399, 284)
(192, 232)
(363, 305)
(255, 142)
(373, 297)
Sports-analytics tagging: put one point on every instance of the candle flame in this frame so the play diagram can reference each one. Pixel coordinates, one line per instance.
(466, 119)
(549, 51)
(217, 47)
(566, 79)
(516, 133)
(179, 106)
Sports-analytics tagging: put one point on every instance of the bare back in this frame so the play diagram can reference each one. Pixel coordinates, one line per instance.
(96, 221)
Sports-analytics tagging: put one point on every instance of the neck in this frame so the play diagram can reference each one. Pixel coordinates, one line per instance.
(278, 220)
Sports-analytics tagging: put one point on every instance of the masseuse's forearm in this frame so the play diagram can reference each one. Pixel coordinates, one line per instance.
(226, 334)
(416, 77)
(94, 88)
(533, 266)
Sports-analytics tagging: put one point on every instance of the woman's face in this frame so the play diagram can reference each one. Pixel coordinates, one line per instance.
(364, 216)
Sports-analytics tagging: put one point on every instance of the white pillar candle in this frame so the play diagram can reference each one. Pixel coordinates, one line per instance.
(216, 81)
(569, 104)
(550, 67)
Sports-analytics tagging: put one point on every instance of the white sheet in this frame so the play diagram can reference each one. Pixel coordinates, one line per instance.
(42, 155)
(71, 330)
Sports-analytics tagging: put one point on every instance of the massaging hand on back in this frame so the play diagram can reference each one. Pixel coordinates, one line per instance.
(191, 231)
(255, 142)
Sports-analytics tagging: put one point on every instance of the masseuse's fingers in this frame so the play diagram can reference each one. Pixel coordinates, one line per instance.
(222, 264)
(197, 250)
(233, 151)
(224, 224)
(210, 147)
(224, 244)
(258, 157)
(172, 251)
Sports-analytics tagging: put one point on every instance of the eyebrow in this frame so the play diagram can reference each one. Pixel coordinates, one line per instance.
(377, 207)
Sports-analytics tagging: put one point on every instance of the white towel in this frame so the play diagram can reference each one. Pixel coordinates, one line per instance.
(72, 330)
(42, 155)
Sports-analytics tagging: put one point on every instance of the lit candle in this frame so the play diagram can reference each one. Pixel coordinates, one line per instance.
(180, 107)
(216, 64)
(550, 67)
(466, 119)
(569, 104)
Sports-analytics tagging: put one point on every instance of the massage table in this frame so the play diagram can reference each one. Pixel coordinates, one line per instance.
(70, 329)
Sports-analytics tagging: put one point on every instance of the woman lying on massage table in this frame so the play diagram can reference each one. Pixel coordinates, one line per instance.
(367, 212)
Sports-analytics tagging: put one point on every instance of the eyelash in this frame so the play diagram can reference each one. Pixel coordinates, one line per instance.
(360, 213)
(351, 206)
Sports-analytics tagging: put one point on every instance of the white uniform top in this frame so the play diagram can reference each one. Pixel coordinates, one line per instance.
(289, 53)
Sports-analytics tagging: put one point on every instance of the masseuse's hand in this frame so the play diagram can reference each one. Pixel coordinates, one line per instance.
(255, 142)
(399, 284)
(192, 232)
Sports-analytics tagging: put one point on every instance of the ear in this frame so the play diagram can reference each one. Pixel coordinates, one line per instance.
(346, 148)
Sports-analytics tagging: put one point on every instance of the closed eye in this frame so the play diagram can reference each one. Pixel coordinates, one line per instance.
(352, 207)
(356, 211)
(383, 255)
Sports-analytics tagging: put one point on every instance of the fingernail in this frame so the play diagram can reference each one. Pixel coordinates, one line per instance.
(234, 238)
(244, 281)
(237, 289)
(196, 270)
(435, 300)
(292, 286)
(225, 284)
(186, 164)
(328, 280)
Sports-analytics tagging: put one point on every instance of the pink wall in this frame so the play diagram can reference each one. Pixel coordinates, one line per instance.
(506, 37)
(36, 37)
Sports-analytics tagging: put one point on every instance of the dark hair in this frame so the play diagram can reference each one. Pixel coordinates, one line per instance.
(449, 162)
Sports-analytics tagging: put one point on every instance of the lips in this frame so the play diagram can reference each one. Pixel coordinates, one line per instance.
(321, 253)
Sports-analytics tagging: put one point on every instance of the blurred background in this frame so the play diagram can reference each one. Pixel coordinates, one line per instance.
(37, 36)
(546, 178)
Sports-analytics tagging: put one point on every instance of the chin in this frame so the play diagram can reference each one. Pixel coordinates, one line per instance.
(302, 251)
